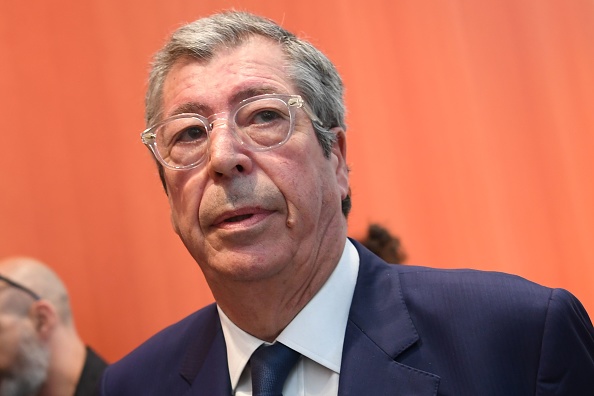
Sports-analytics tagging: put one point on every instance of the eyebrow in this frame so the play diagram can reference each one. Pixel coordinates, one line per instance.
(204, 110)
(190, 107)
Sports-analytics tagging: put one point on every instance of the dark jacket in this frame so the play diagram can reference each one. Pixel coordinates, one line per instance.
(411, 331)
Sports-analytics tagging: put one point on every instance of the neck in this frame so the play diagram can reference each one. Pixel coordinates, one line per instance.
(265, 307)
(68, 354)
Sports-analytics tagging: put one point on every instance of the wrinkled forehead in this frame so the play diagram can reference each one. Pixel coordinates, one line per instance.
(257, 66)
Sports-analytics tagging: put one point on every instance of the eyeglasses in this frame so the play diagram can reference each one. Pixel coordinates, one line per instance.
(260, 123)
(20, 287)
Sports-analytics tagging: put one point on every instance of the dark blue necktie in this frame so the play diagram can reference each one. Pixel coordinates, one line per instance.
(270, 367)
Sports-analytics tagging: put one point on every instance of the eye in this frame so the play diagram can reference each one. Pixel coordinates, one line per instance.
(265, 116)
(262, 114)
(191, 134)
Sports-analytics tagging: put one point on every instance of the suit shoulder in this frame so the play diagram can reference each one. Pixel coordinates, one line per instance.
(172, 341)
(472, 296)
(453, 289)
(471, 281)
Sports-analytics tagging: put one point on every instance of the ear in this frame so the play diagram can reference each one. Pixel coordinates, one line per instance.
(342, 169)
(44, 317)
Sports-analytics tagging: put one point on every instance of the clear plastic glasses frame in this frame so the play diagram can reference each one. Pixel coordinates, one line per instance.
(260, 123)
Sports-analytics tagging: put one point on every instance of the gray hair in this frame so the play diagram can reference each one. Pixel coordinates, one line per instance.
(312, 73)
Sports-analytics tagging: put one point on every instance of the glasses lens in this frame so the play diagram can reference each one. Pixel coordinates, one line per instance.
(182, 141)
(263, 123)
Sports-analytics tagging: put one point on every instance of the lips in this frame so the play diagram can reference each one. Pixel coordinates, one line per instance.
(235, 219)
(241, 215)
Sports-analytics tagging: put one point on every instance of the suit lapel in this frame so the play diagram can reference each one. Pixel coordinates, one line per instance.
(205, 365)
(380, 329)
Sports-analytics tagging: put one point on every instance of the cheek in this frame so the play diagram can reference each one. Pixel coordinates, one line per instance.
(185, 194)
(308, 192)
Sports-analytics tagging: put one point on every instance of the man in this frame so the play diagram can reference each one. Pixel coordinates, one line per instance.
(41, 353)
(246, 122)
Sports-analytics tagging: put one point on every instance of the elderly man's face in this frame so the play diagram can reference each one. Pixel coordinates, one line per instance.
(248, 215)
(24, 359)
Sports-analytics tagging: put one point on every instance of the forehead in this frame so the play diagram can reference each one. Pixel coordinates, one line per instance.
(257, 66)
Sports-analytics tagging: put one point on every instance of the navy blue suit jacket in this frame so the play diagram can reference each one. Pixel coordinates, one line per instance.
(411, 331)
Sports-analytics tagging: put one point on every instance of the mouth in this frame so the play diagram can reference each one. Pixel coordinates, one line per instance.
(244, 217)
(236, 219)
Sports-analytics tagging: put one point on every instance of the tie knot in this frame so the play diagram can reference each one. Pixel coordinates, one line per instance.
(270, 367)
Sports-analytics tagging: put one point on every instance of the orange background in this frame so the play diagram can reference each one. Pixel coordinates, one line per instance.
(470, 136)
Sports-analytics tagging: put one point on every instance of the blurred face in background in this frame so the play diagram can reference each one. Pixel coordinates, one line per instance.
(24, 359)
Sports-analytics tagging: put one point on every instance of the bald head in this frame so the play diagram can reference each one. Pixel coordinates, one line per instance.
(36, 277)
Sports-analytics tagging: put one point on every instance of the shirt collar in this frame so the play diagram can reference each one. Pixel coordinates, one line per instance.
(317, 331)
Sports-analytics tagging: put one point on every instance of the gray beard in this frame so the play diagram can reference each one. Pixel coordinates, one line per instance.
(30, 368)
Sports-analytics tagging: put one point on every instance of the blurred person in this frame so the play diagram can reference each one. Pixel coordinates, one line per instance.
(41, 353)
(381, 242)
(246, 123)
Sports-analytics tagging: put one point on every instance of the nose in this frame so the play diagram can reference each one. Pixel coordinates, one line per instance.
(227, 156)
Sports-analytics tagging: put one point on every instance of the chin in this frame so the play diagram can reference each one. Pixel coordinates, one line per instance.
(247, 266)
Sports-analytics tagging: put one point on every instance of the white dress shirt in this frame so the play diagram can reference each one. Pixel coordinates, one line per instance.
(317, 333)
